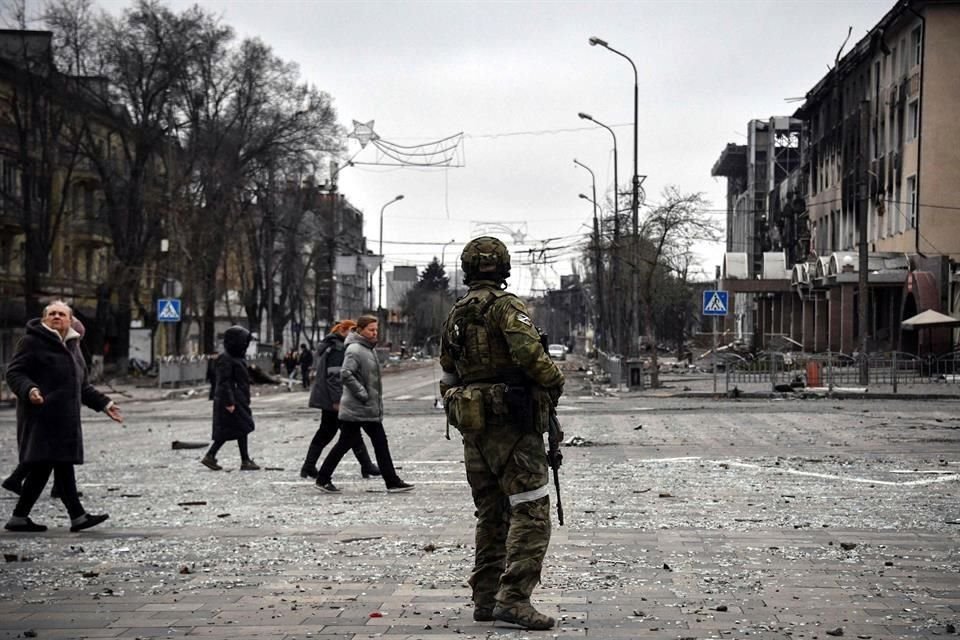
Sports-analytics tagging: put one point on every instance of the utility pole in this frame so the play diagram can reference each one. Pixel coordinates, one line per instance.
(863, 147)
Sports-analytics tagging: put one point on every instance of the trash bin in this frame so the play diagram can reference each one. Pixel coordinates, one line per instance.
(635, 373)
(813, 374)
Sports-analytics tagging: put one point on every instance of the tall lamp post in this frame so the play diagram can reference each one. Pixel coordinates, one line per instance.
(598, 264)
(635, 204)
(380, 287)
(617, 332)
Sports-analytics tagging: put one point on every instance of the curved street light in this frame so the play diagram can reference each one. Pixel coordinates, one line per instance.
(635, 201)
(616, 220)
(598, 263)
(380, 287)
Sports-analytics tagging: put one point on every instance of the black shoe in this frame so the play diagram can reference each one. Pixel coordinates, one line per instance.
(328, 487)
(25, 527)
(90, 521)
(11, 485)
(372, 471)
(308, 471)
(210, 463)
(399, 486)
(249, 465)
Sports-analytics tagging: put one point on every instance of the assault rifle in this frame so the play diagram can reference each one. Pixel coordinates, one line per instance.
(554, 438)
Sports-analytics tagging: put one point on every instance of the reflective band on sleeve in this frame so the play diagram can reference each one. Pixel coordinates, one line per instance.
(451, 379)
(530, 496)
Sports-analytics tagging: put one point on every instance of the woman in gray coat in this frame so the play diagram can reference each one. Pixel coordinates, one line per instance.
(361, 407)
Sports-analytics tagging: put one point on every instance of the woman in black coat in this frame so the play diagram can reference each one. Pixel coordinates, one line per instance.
(232, 417)
(49, 377)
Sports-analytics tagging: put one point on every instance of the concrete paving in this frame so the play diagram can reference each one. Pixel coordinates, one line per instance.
(686, 518)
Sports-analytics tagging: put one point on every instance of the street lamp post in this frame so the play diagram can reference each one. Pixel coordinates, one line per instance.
(618, 337)
(635, 204)
(443, 261)
(598, 263)
(380, 287)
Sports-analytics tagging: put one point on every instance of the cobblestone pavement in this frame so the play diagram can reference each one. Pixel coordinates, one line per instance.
(686, 518)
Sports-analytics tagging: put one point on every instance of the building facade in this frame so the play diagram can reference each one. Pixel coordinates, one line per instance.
(877, 155)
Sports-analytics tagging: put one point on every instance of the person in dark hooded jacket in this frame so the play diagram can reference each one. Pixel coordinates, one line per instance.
(49, 377)
(232, 416)
(325, 395)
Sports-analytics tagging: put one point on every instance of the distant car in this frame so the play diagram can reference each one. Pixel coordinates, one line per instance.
(557, 351)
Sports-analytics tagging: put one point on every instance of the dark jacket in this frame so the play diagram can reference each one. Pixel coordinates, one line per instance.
(51, 432)
(232, 388)
(306, 359)
(362, 389)
(327, 387)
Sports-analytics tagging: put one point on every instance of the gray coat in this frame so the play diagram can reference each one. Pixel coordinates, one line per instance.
(51, 432)
(362, 399)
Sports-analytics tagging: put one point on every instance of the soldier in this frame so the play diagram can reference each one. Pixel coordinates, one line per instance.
(499, 387)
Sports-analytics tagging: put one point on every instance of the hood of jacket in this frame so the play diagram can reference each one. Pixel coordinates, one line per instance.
(356, 338)
(236, 339)
(37, 328)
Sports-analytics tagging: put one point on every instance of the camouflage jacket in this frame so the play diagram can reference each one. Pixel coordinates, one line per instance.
(489, 337)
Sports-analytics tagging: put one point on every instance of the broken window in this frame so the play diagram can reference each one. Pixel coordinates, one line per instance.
(913, 121)
(912, 201)
(916, 45)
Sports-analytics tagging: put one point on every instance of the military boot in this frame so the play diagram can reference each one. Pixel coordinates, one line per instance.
(523, 614)
(483, 612)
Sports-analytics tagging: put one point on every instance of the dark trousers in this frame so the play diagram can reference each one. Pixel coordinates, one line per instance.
(329, 424)
(38, 473)
(241, 444)
(349, 435)
(305, 376)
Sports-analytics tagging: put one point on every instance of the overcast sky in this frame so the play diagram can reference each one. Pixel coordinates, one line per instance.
(513, 75)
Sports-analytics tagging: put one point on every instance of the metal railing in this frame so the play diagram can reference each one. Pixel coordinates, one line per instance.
(176, 371)
(889, 371)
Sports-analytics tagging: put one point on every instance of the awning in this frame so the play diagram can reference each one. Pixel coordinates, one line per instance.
(930, 318)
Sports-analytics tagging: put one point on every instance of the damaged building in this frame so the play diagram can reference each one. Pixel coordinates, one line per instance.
(876, 142)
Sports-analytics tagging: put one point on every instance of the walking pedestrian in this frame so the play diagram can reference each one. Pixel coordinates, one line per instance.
(325, 395)
(232, 416)
(499, 388)
(361, 407)
(49, 377)
(14, 482)
(306, 363)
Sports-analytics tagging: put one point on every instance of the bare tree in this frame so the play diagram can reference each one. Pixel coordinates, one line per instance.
(251, 127)
(668, 233)
(37, 168)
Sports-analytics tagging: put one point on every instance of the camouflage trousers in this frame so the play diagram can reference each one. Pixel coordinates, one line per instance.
(508, 475)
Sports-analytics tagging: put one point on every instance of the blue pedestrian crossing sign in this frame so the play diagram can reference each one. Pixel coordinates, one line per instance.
(715, 303)
(168, 309)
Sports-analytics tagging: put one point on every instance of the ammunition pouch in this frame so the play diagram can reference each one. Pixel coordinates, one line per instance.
(529, 407)
(465, 409)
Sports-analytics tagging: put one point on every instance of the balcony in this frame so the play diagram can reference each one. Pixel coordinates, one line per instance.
(91, 230)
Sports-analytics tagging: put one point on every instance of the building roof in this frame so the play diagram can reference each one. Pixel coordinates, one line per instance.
(732, 162)
(861, 50)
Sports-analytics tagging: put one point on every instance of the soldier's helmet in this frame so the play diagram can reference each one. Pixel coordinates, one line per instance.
(485, 258)
(236, 339)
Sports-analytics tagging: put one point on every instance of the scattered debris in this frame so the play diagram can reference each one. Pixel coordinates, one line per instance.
(180, 444)
(192, 503)
(835, 632)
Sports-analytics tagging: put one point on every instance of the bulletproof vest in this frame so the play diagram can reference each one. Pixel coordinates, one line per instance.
(480, 352)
